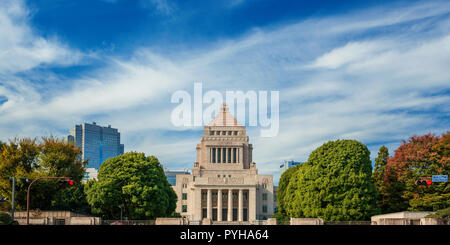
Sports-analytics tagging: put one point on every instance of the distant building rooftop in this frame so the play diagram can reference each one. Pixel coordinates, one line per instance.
(171, 175)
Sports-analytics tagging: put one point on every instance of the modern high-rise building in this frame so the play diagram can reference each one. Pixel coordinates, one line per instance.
(288, 164)
(97, 143)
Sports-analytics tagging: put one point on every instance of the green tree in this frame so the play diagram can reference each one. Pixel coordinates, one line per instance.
(334, 184)
(136, 182)
(443, 213)
(72, 199)
(31, 159)
(5, 219)
(18, 158)
(378, 178)
(282, 186)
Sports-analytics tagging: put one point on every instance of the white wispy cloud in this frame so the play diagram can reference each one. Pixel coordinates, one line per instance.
(160, 6)
(375, 75)
(22, 49)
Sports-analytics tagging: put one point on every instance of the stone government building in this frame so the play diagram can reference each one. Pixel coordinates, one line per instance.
(224, 184)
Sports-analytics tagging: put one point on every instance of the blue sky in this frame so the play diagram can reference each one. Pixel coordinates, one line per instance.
(374, 71)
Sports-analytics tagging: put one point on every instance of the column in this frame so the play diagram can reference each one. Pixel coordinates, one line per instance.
(241, 206)
(226, 152)
(230, 205)
(219, 205)
(209, 205)
(241, 154)
(197, 205)
(252, 204)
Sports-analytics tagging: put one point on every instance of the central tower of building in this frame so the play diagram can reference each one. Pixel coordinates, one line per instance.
(224, 185)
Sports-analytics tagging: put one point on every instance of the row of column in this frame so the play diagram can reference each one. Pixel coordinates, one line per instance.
(225, 155)
(229, 208)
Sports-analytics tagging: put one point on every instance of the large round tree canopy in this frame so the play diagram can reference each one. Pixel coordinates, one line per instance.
(135, 183)
(335, 184)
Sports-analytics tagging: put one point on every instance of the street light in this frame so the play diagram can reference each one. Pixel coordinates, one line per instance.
(120, 206)
(29, 188)
(13, 194)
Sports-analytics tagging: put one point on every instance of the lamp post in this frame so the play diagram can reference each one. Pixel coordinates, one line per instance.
(13, 194)
(120, 206)
(28, 193)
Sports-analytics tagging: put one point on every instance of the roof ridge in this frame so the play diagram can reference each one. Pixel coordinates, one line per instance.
(224, 118)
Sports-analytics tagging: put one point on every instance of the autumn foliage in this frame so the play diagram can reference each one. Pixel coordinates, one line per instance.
(420, 156)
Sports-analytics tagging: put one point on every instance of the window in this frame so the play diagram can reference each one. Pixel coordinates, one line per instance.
(217, 132)
(184, 208)
(204, 195)
(224, 155)
(211, 133)
(235, 132)
(229, 132)
(224, 132)
(184, 185)
(184, 196)
(264, 208)
(264, 196)
(218, 176)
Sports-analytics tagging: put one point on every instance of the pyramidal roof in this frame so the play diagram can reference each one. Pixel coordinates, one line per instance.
(224, 118)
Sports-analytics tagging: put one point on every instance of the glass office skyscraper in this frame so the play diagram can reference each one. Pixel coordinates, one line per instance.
(288, 164)
(97, 143)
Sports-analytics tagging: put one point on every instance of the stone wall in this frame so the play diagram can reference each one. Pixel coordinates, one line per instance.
(169, 221)
(434, 221)
(271, 221)
(206, 221)
(84, 221)
(407, 215)
(306, 221)
(397, 221)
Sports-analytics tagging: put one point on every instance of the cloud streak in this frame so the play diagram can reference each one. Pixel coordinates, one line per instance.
(377, 75)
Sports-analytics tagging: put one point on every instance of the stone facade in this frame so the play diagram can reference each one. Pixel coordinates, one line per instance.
(224, 184)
